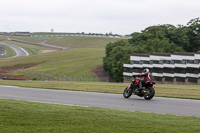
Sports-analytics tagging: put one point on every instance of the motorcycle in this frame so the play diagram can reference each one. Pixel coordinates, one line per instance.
(147, 90)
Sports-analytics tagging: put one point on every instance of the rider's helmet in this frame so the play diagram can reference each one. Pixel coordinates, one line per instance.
(146, 70)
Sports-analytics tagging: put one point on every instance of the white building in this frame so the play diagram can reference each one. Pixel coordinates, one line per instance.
(177, 68)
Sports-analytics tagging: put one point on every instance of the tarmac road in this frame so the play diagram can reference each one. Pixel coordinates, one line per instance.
(184, 107)
(19, 51)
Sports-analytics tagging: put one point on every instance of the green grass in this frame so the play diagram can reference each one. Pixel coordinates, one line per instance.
(176, 91)
(32, 39)
(83, 41)
(1, 49)
(31, 49)
(32, 117)
(80, 63)
(3, 37)
(73, 41)
(73, 62)
(20, 116)
(9, 52)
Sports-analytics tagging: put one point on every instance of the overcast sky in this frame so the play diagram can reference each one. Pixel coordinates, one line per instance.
(95, 16)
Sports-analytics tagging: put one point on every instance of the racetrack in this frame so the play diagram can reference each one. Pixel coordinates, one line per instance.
(19, 51)
(185, 107)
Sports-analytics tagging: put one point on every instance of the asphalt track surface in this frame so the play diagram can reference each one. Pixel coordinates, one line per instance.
(174, 106)
(19, 51)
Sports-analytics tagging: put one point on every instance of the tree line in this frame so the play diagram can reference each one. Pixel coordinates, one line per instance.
(164, 38)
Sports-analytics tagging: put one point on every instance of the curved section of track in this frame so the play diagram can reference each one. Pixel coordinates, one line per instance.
(19, 51)
(185, 107)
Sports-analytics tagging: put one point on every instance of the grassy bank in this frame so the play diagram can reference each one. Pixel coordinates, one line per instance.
(83, 42)
(73, 62)
(177, 91)
(78, 62)
(73, 41)
(30, 117)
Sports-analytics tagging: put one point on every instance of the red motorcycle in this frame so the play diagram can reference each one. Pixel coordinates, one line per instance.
(147, 91)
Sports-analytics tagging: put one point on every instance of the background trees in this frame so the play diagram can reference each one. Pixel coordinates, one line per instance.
(160, 39)
(194, 34)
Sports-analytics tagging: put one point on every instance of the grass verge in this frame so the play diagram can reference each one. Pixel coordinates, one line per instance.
(9, 52)
(32, 117)
(163, 90)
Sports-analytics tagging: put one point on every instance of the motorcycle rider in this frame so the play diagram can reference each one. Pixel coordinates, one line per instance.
(146, 75)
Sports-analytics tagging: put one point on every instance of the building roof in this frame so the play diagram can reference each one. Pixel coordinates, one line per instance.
(166, 55)
(143, 55)
(184, 53)
(161, 54)
(198, 52)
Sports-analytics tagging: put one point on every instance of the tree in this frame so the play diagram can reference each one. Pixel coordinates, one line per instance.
(180, 37)
(160, 39)
(194, 34)
(113, 54)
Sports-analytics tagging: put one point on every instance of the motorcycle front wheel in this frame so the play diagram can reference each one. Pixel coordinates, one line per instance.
(127, 92)
(149, 93)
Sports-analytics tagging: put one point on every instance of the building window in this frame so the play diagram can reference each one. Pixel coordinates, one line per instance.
(168, 70)
(189, 61)
(158, 70)
(193, 80)
(166, 62)
(180, 70)
(179, 79)
(176, 62)
(197, 61)
(137, 70)
(135, 62)
(155, 62)
(193, 70)
(145, 62)
(169, 79)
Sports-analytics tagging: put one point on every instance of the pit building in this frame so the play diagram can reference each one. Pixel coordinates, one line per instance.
(176, 68)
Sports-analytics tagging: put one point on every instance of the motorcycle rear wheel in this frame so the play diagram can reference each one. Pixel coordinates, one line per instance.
(149, 94)
(127, 92)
